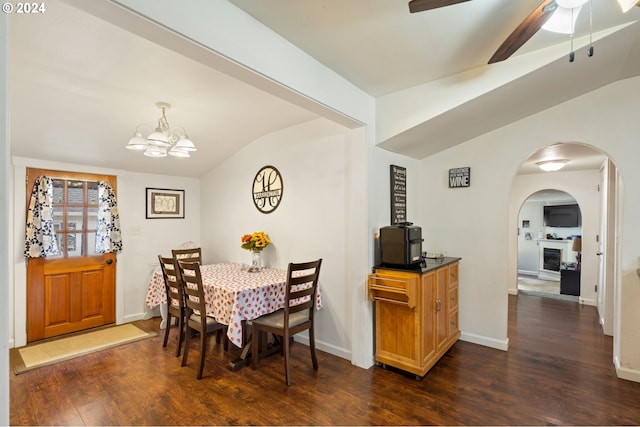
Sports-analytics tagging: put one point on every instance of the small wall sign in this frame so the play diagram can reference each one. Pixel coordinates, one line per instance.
(460, 177)
(398, 194)
(267, 189)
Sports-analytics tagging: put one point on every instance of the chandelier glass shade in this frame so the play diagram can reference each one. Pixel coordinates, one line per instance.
(164, 140)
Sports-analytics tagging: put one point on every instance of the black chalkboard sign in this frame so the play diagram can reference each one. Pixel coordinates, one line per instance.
(398, 194)
(460, 177)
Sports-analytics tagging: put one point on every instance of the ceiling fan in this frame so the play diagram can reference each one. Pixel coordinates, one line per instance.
(523, 32)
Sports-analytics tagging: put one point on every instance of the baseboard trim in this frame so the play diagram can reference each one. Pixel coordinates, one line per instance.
(533, 273)
(626, 373)
(485, 341)
(328, 348)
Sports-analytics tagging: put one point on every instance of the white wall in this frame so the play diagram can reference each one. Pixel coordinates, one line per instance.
(143, 239)
(479, 223)
(309, 223)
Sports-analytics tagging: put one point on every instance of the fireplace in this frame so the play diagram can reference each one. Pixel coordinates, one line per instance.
(551, 258)
(552, 253)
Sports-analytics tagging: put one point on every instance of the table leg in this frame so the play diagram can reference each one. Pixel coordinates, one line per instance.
(266, 349)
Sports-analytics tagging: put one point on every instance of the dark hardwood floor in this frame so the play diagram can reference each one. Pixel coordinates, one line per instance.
(558, 371)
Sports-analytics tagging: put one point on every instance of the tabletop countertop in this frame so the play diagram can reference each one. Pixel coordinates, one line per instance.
(429, 264)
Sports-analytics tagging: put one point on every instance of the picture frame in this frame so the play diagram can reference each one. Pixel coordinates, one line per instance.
(164, 203)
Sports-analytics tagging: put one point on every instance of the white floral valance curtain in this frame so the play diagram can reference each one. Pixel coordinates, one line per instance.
(40, 238)
(108, 236)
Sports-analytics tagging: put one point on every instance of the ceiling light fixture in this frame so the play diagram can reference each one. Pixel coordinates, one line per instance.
(570, 4)
(552, 165)
(626, 5)
(564, 19)
(163, 140)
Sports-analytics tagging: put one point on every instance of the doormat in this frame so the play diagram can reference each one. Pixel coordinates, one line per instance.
(43, 353)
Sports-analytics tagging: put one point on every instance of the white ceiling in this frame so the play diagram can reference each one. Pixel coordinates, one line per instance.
(79, 81)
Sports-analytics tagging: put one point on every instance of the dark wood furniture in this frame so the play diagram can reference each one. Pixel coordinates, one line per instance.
(175, 300)
(191, 255)
(295, 317)
(196, 318)
(570, 282)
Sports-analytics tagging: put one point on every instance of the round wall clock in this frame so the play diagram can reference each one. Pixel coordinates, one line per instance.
(267, 189)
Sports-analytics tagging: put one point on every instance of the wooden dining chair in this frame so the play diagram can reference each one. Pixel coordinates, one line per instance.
(296, 316)
(196, 312)
(175, 299)
(191, 255)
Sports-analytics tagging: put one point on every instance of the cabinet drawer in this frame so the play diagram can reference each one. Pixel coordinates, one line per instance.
(397, 289)
(453, 323)
(453, 275)
(453, 298)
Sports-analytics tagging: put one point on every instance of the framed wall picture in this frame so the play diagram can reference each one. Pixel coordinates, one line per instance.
(398, 193)
(164, 203)
(267, 189)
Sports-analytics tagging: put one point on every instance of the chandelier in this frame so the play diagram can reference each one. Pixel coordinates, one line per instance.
(163, 140)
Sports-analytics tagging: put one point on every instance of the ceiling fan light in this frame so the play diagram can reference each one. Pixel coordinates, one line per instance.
(562, 21)
(137, 142)
(552, 165)
(570, 4)
(626, 5)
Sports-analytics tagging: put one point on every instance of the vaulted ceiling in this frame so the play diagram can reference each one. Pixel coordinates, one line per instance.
(77, 80)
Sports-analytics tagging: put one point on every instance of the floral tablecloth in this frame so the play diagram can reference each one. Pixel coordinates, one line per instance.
(233, 294)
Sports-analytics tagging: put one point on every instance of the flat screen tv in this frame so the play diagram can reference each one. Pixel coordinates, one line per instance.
(562, 216)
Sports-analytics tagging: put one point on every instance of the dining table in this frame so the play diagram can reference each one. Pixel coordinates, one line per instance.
(233, 295)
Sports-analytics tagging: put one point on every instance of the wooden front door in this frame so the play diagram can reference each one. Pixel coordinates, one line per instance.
(74, 290)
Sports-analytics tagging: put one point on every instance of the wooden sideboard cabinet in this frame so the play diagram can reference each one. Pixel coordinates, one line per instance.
(416, 314)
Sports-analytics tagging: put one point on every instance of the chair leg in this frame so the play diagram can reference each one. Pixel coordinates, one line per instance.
(180, 335)
(225, 343)
(187, 344)
(166, 330)
(203, 351)
(312, 346)
(287, 349)
(255, 337)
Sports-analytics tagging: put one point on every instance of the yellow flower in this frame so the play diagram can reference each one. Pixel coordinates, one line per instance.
(255, 242)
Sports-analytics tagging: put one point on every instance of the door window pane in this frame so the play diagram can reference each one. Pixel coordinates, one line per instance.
(92, 193)
(75, 192)
(58, 191)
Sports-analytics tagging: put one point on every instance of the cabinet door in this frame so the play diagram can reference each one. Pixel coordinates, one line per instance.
(428, 320)
(397, 318)
(441, 301)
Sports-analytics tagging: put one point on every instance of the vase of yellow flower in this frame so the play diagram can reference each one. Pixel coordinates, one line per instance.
(255, 243)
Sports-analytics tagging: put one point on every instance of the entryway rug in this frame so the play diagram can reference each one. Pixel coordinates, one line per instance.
(43, 353)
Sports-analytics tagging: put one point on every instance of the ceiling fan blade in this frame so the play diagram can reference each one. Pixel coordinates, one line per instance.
(525, 31)
(422, 5)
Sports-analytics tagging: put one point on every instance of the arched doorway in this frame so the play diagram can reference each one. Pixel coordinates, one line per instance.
(549, 238)
(593, 180)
